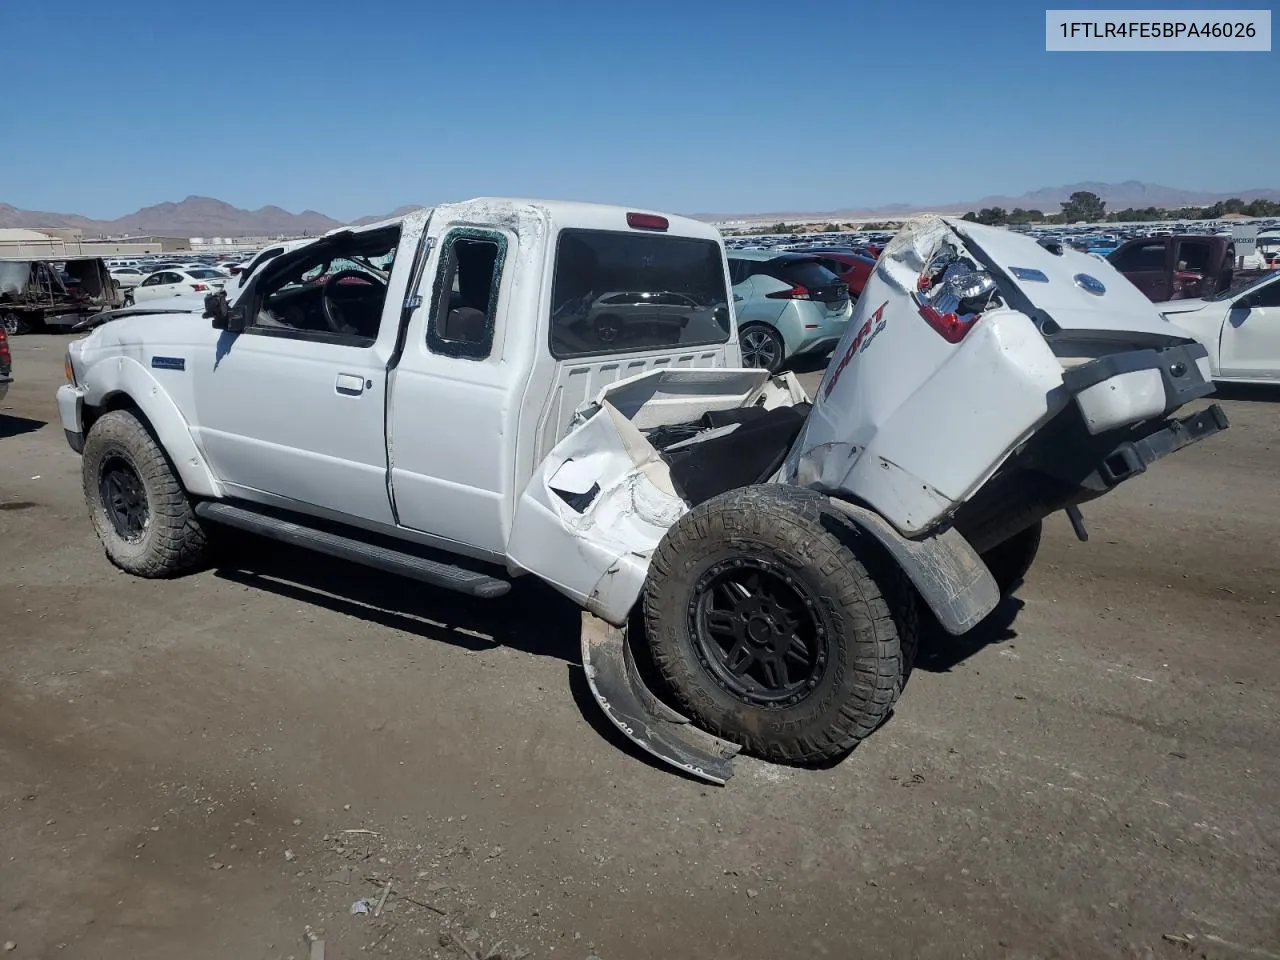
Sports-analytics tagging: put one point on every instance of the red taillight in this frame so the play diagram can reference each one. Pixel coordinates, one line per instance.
(647, 221)
(795, 293)
(952, 327)
(6, 358)
(200, 286)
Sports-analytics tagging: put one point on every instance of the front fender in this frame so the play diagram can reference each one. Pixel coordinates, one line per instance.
(111, 378)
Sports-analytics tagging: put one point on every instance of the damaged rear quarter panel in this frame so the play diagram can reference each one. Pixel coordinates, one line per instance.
(593, 513)
(912, 424)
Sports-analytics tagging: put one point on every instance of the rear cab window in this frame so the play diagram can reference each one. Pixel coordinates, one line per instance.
(616, 292)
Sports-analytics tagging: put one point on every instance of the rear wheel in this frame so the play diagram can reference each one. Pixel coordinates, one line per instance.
(13, 324)
(770, 630)
(608, 328)
(136, 502)
(1010, 560)
(761, 346)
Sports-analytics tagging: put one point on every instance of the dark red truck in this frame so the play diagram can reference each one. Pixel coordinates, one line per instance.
(1179, 267)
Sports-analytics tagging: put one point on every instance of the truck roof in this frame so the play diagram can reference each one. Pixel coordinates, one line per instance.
(560, 213)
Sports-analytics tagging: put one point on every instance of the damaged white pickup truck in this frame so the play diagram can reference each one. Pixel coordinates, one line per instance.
(495, 388)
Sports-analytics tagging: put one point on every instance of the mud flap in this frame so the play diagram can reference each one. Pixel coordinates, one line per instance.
(644, 719)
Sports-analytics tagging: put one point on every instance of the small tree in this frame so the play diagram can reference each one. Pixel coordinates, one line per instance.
(1083, 205)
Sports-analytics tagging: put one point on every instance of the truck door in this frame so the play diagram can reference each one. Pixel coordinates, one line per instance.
(450, 429)
(1250, 344)
(1146, 264)
(291, 410)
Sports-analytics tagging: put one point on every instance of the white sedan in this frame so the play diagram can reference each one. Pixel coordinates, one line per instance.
(179, 283)
(127, 277)
(1241, 330)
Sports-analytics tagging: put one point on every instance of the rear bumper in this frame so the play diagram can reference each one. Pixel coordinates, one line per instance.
(5, 380)
(1133, 457)
(1127, 388)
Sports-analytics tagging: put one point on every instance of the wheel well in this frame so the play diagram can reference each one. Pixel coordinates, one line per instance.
(111, 403)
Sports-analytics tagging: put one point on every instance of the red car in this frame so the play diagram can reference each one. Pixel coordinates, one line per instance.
(851, 267)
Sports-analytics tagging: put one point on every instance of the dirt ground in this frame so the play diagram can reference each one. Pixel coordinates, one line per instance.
(226, 765)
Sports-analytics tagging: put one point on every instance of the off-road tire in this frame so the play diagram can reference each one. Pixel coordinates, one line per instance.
(173, 541)
(1010, 560)
(859, 598)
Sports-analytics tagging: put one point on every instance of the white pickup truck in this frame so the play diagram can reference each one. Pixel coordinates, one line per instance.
(494, 388)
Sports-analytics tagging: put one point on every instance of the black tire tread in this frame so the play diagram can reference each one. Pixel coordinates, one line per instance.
(176, 541)
(790, 521)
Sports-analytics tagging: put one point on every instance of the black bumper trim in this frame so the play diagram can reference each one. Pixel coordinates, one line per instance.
(1182, 379)
(1132, 458)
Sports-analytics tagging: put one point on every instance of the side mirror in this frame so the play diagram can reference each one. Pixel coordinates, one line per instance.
(225, 317)
(238, 319)
(215, 309)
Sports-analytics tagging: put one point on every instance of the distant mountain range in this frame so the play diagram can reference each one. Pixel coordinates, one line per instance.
(207, 217)
(193, 217)
(1118, 196)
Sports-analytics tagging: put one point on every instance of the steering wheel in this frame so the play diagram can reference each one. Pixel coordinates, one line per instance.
(333, 317)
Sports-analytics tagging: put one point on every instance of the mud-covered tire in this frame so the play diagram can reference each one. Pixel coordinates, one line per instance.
(1010, 560)
(169, 541)
(860, 609)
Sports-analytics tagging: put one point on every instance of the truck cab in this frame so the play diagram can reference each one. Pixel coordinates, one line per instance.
(369, 377)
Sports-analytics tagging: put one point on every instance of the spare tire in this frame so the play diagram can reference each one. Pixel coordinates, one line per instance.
(776, 625)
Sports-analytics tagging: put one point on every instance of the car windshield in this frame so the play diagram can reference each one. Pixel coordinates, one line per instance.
(201, 273)
(805, 273)
(1239, 289)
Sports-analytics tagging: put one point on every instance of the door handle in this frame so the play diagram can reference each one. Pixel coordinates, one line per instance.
(349, 385)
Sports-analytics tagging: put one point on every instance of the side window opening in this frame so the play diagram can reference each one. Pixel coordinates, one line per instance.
(332, 291)
(1194, 256)
(465, 298)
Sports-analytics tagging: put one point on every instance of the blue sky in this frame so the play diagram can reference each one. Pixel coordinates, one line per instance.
(693, 106)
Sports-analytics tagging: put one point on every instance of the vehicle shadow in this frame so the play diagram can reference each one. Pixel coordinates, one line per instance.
(532, 618)
(1248, 392)
(812, 363)
(16, 426)
(939, 652)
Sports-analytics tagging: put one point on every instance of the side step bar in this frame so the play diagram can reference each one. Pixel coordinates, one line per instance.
(370, 555)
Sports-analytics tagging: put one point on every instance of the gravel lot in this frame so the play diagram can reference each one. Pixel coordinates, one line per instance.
(220, 766)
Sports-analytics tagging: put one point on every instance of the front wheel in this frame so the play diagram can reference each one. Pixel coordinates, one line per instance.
(771, 631)
(762, 347)
(136, 502)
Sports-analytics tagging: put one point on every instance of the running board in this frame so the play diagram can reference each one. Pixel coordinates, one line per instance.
(644, 719)
(370, 555)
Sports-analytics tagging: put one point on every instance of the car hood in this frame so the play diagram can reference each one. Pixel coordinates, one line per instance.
(1182, 306)
(184, 305)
